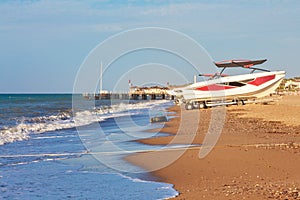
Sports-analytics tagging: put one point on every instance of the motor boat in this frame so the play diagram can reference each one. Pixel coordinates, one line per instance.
(221, 89)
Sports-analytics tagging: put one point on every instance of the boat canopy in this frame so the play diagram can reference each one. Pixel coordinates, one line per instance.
(239, 63)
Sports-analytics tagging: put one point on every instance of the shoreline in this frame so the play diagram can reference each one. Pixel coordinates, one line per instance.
(256, 157)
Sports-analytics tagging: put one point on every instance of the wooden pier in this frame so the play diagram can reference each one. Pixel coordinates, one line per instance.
(135, 93)
(149, 93)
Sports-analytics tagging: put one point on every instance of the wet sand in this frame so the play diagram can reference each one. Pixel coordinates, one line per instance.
(256, 157)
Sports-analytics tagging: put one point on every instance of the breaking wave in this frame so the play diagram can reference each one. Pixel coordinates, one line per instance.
(65, 120)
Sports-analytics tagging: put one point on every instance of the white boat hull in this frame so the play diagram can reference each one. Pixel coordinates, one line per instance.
(242, 87)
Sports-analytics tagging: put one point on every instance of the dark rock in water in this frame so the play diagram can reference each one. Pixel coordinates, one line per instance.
(158, 119)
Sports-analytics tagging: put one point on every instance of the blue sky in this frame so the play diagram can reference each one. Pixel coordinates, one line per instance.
(43, 43)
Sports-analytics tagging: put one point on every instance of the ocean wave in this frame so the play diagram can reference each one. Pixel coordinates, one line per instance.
(67, 119)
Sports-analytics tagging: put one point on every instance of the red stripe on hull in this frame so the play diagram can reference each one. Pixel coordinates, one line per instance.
(261, 80)
(215, 87)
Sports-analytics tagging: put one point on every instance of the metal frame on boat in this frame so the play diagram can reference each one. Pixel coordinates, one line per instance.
(222, 89)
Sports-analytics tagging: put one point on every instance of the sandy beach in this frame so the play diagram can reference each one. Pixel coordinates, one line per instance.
(256, 157)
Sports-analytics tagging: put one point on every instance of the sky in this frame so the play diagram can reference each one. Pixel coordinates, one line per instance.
(44, 43)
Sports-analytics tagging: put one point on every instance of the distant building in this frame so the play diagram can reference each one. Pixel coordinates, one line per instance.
(292, 85)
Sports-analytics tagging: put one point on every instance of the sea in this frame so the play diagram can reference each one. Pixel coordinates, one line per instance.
(49, 150)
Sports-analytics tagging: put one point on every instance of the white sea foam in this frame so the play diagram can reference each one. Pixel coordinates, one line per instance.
(162, 186)
(34, 161)
(65, 120)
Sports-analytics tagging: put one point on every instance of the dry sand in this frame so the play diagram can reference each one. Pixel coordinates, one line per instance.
(256, 157)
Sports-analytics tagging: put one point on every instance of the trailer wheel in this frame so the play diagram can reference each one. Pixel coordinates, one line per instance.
(243, 102)
(188, 106)
(202, 105)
